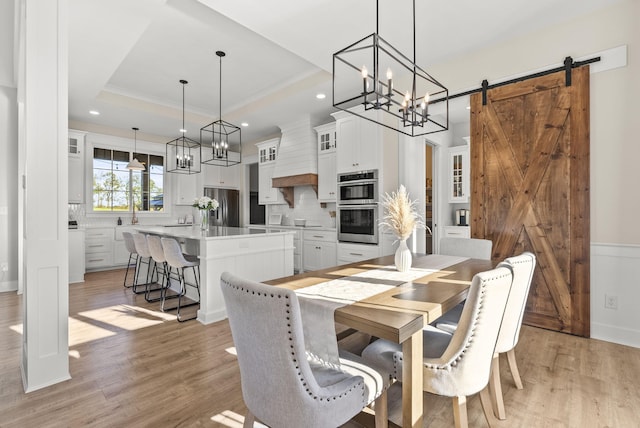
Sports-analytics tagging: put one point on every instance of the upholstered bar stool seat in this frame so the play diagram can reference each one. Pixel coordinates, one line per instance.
(161, 267)
(144, 258)
(133, 256)
(178, 262)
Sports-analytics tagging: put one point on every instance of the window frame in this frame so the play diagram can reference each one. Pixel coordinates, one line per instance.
(142, 149)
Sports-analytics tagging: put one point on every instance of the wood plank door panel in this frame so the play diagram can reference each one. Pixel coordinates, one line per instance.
(530, 189)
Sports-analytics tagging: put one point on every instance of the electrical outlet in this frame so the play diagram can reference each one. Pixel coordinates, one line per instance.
(610, 302)
(4, 267)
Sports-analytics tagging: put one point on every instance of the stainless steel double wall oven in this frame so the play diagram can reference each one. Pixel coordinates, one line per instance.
(358, 207)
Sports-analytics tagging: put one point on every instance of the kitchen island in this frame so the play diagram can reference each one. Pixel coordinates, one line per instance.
(259, 255)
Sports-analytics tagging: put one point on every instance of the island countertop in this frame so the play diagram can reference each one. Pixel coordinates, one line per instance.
(214, 232)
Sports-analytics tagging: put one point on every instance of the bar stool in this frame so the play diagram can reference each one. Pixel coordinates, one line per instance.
(176, 260)
(131, 248)
(144, 256)
(161, 268)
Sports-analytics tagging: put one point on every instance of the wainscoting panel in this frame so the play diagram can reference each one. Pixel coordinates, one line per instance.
(615, 293)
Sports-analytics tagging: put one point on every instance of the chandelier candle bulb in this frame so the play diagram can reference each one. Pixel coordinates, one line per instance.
(389, 81)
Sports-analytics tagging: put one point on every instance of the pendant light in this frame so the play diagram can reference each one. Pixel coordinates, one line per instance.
(183, 153)
(375, 81)
(221, 140)
(135, 165)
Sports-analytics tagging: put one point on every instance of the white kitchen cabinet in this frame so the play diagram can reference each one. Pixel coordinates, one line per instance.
(350, 253)
(459, 174)
(326, 138)
(319, 249)
(327, 178)
(457, 232)
(76, 166)
(297, 251)
(327, 173)
(98, 248)
(267, 151)
(223, 177)
(360, 144)
(187, 188)
(267, 154)
(76, 255)
(267, 194)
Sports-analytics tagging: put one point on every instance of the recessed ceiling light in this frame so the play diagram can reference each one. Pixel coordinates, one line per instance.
(321, 96)
(244, 124)
(94, 112)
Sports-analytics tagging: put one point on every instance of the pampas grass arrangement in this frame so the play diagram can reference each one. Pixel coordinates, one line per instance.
(400, 217)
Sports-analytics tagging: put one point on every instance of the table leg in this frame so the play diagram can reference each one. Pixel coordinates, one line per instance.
(412, 381)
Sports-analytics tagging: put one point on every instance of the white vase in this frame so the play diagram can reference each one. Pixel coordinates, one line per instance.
(403, 257)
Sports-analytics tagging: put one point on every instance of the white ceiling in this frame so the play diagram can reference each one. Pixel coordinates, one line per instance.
(126, 57)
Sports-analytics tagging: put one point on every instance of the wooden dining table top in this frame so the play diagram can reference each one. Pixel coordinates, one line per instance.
(397, 313)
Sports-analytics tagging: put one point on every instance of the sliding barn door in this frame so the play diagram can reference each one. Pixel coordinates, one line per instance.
(530, 189)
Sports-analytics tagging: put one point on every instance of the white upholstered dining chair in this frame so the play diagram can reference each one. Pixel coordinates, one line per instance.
(457, 365)
(523, 267)
(466, 247)
(280, 386)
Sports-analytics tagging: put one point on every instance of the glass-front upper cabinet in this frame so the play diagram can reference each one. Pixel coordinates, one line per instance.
(459, 174)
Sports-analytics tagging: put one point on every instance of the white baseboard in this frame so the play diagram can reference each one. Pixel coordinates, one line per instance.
(616, 334)
(8, 286)
(211, 317)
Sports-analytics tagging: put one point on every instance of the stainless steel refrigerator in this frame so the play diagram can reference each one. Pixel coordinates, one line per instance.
(228, 213)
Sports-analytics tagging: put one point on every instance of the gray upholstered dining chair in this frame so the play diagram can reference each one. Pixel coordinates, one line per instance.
(466, 247)
(523, 267)
(458, 365)
(280, 386)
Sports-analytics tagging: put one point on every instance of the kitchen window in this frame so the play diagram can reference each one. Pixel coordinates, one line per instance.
(114, 186)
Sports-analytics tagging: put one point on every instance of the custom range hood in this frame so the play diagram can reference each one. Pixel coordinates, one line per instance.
(297, 160)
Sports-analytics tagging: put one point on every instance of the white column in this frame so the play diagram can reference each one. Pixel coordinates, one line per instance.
(412, 175)
(43, 92)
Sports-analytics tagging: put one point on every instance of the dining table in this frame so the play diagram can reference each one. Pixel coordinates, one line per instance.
(397, 308)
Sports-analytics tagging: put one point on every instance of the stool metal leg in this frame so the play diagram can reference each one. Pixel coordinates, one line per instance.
(160, 270)
(126, 273)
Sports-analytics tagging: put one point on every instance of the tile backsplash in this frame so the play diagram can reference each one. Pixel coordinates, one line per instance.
(306, 206)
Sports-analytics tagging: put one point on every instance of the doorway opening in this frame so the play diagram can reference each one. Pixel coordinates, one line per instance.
(256, 211)
(428, 218)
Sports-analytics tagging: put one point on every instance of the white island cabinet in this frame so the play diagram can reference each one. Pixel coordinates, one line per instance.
(258, 255)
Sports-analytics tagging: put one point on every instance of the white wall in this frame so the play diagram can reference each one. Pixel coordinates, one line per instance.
(8, 152)
(614, 148)
(8, 189)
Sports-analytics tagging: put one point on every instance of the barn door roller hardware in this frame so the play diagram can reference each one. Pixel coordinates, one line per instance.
(568, 62)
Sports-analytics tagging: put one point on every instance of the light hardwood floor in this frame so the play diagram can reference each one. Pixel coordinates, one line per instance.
(133, 366)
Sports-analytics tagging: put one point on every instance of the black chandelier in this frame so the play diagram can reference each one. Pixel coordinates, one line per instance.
(222, 140)
(371, 77)
(183, 153)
